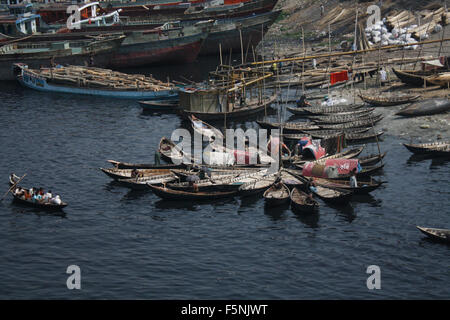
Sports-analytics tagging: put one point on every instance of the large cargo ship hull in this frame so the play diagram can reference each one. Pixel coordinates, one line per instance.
(252, 30)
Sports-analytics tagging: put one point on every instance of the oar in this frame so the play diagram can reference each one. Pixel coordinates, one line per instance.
(13, 186)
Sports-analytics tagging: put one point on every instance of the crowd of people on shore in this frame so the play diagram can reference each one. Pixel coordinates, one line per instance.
(37, 195)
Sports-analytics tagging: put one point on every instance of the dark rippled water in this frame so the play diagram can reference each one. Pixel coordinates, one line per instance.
(134, 245)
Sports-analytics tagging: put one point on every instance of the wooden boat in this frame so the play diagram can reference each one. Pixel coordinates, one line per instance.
(425, 108)
(256, 187)
(169, 194)
(129, 165)
(253, 107)
(366, 172)
(289, 127)
(302, 203)
(388, 101)
(166, 106)
(323, 134)
(49, 206)
(440, 152)
(96, 51)
(94, 81)
(335, 119)
(324, 110)
(441, 79)
(360, 111)
(413, 77)
(426, 148)
(365, 122)
(277, 194)
(228, 33)
(225, 182)
(346, 154)
(116, 173)
(358, 137)
(170, 152)
(141, 183)
(441, 235)
(371, 160)
(364, 187)
(335, 196)
(205, 129)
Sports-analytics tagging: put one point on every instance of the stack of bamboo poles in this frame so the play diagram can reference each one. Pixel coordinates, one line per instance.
(428, 21)
(91, 77)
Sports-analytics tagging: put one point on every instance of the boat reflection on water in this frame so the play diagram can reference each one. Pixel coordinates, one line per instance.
(309, 220)
(277, 213)
(435, 161)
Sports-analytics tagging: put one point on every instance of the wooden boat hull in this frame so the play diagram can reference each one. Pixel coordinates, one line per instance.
(371, 159)
(364, 187)
(426, 148)
(236, 114)
(46, 207)
(101, 53)
(273, 200)
(441, 235)
(166, 106)
(299, 204)
(169, 194)
(36, 82)
(417, 79)
(374, 101)
(252, 30)
(141, 53)
(343, 198)
(128, 165)
(30, 203)
(425, 108)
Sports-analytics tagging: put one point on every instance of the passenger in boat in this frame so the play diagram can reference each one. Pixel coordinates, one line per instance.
(134, 173)
(311, 186)
(353, 182)
(301, 103)
(47, 196)
(56, 200)
(299, 147)
(383, 77)
(157, 158)
(37, 197)
(205, 172)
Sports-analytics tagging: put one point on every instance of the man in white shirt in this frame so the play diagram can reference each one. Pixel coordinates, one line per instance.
(47, 196)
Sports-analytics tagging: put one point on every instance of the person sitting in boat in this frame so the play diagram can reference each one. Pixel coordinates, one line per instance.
(301, 103)
(56, 200)
(205, 172)
(353, 182)
(311, 186)
(299, 147)
(327, 101)
(47, 196)
(37, 197)
(19, 192)
(134, 173)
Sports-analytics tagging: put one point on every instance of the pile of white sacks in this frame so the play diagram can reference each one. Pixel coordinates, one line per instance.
(379, 33)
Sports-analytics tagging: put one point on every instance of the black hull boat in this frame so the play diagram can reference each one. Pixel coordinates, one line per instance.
(302, 203)
(170, 194)
(47, 206)
(425, 108)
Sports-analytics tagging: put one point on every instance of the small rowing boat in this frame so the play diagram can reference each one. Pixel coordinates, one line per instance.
(364, 187)
(28, 201)
(276, 195)
(336, 196)
(302, 203)
(425, 108)
(388, 101)
(426, 148)
(441, 235)
(169, 194)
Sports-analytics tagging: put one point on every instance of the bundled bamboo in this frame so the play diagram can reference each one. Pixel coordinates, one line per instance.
(102, 78)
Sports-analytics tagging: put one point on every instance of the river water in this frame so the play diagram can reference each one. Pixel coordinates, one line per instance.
(133, 245)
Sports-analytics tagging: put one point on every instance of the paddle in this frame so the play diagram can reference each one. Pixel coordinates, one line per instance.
(13, 186)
